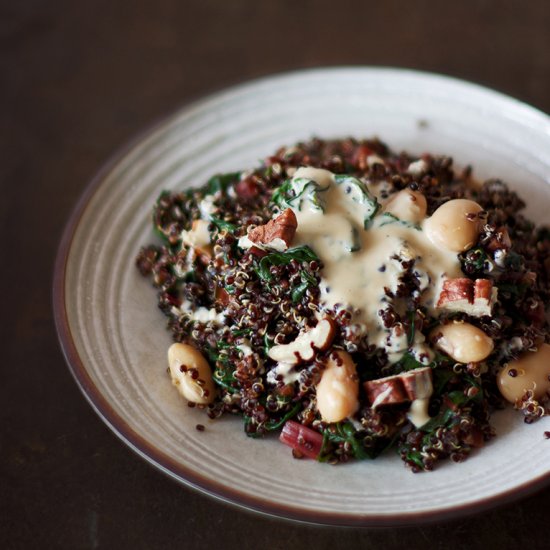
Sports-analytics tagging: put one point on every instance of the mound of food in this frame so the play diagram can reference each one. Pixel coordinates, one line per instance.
(355, 300)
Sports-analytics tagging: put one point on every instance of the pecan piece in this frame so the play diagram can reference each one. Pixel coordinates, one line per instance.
(400, 388)
(456, 293)
(303, 347)
(476, 298)
(385, 391)
(500, 240)
(418, 383)
(278, 232)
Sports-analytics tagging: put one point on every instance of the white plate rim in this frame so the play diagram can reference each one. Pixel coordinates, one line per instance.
(178, 471)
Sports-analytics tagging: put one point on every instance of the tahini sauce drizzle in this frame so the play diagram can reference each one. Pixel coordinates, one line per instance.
(357, 279)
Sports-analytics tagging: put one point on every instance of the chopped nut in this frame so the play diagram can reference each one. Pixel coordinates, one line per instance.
(418, 383)
(456, 293)
(385, 391)
(484, 296)
(282, 228)
(303, 348)
(475, 298)
(400, 388)
(499, 240)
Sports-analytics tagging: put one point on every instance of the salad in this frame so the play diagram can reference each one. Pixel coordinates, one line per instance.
(355, 300)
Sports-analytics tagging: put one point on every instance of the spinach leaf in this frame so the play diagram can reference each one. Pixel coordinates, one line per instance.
(293, 192)
(474, 261)
(359, 193)
(220, 182)
(223, 225)
(344, 432)
(299, 291)
(388, 218)
(272, 425)
(308, 280)
(300, 253)
(407, 362)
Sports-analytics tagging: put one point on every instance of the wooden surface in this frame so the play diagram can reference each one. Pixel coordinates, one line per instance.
(81, 78)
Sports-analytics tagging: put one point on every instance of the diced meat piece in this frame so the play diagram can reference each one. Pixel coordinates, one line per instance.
(476, 298)
(279, 230)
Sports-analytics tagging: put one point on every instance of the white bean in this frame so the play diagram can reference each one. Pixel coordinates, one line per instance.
(530, 372)
(455, 225)
(463, 342)
(407, 205)
(338, 389)
(191, 374)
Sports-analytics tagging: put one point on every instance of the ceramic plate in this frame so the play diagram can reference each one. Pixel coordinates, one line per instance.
(114, 336)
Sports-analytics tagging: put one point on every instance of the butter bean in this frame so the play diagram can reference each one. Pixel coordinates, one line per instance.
(191, 374)
(407, 205)
(463, 342)
(338, 389)
(455, 225)
(530, 372)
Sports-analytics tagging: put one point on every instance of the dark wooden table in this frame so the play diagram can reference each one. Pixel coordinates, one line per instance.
(81, 78)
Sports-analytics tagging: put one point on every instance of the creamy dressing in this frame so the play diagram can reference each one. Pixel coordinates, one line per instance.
(418, 413)
(245, 348)
(288, 373)
(198, 235)
(201, 314)
(374, 159)
(207, 207)
(381, 397)
(357, 279)
(275, 244)
(417, 168)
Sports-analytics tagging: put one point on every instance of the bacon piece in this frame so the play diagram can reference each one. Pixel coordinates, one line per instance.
(400, 388)
(283, 228)
(475, 298)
